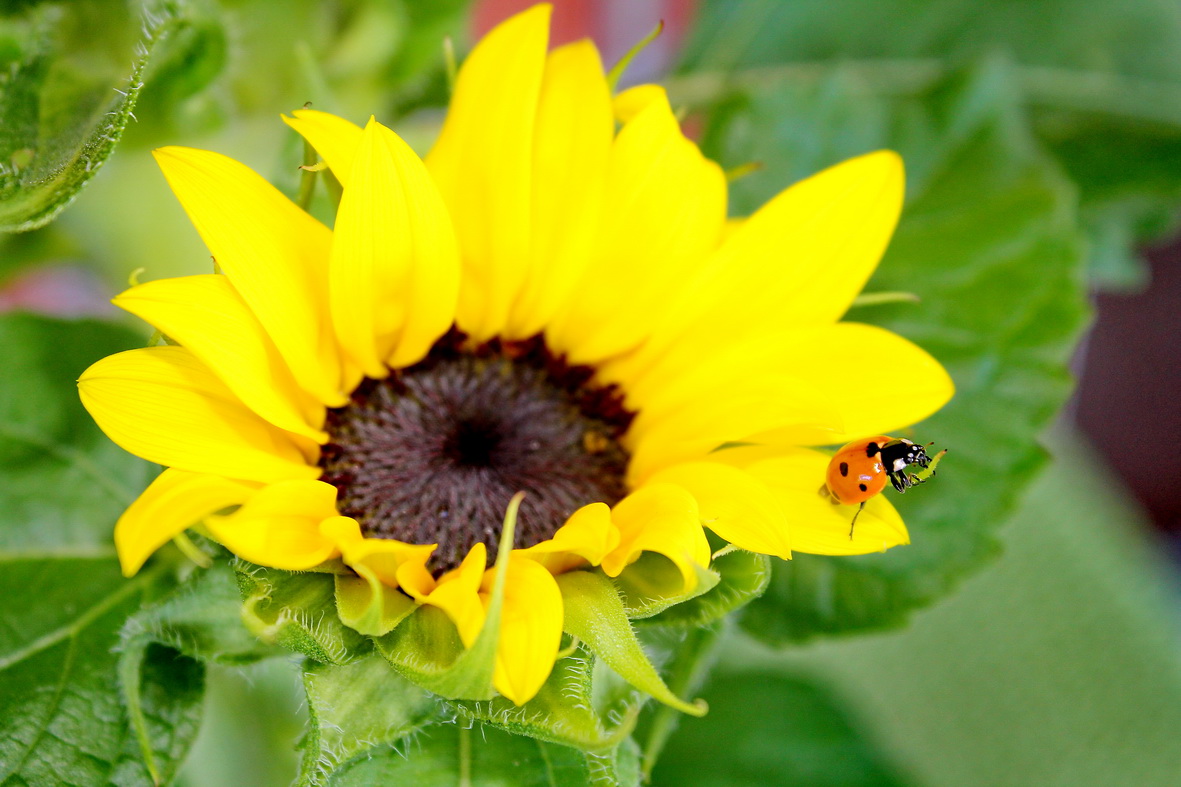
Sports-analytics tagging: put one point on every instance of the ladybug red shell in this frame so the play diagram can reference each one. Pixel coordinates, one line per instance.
(860, 470)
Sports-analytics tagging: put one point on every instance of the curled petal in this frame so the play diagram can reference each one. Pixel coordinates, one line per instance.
(662, 518)
(163, 404)
(588, 536)
(176, 500)
(530, 628)
(279, 526)
(334, 138)
(382, 558)
(457, 593)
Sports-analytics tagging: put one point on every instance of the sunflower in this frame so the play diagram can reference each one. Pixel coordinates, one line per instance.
(551, 302)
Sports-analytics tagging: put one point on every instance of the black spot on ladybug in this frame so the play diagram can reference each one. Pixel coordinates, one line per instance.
(863, 487)
(844, 469)
(871, 449)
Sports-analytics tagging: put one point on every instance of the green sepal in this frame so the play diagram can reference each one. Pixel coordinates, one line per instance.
(369, 607)
(744, 577)
(298, 611)
(459, 754)
(561, 712)
(654, 583)
(426, 648)
(354, 708)
(595, 614)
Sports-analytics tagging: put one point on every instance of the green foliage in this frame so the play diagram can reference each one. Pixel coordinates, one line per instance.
(772, 729)
(64, 100)
(1101, 80)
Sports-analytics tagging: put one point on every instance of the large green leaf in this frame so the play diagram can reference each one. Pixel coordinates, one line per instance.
(64, 483)
(988, 241)
(772, 729)
(1102, 79)
(62, 713)
(66, 97)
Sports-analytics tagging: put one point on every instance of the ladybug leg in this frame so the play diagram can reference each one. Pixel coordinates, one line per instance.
(901, 481)
(853, 524)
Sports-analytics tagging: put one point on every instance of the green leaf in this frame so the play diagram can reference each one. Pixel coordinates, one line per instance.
(199, 620)
(772, 729)
(354, 709)
(446, 755)
(65, 483)
(1102, 81)
(988, 241)
(61, 709)
(594, 613)
(61, 704)
(64, 102)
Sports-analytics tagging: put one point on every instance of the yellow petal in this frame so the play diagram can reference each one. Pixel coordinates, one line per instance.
(817, 525)
(734, 505)
(664, 208)
(662, 518)
(483, 165)
(876, 380)
(334, 138)
(726, 410)
(383, 558)
(274, 253)
(279, 526)
(802, 257)
(164, 405)
(394, 272)
(458, 594)
(530, 628)
(586, 538)
(209, 318)
(572, 140)
(635, 100)
(176, 500)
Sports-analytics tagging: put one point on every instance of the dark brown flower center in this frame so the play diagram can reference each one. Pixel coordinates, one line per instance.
(434, 452)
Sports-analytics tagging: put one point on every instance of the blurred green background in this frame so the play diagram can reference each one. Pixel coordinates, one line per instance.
(1029, 636)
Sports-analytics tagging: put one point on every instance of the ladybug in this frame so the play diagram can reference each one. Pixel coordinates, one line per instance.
(859, 470)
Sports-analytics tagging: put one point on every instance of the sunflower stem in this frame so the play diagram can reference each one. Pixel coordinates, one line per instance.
(450, 64)
(191, 550)
(307, 177)
(617, 70)
(878, 298)
(465, 756)
(686, 671)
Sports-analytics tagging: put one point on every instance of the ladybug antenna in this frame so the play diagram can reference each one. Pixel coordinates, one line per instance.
(853, 524)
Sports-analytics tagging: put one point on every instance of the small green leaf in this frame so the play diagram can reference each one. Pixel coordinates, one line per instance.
(595, 614)
(770, 729)
(744, 577)
(448, 754)
(297, 611)
(369, 607)
(354, 709)
(653, 584)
